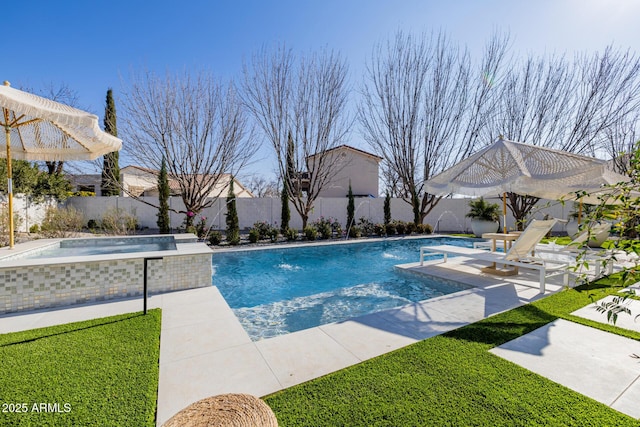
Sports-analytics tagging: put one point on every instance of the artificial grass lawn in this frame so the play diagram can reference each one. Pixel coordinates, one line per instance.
(104, 370)
(452, 379)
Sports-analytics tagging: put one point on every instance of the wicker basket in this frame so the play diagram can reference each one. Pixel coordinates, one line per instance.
(228, 410)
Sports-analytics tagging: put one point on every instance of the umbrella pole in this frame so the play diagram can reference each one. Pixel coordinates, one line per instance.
(7, 131)
(504, 213)
(580, 211)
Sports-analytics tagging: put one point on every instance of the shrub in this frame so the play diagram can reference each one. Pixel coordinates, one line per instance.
(324, 227)
(200, 228)
(254, 235)
(92, 224)
(61, 222)
(401, 227)
(379, 229)
(355, 232)
(424, 229)
(272, 234)
(391, 229)
(482, 210)
(118, 221)
(4, 223)
(310, 232)
(410, 227)
(215, 237)
(291, 234)
(35, 228)
(366, 226)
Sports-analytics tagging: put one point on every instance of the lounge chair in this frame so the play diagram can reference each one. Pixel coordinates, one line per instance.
(521, 255)
(578, 247)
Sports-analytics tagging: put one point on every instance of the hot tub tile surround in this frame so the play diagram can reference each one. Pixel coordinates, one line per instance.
(56, 282)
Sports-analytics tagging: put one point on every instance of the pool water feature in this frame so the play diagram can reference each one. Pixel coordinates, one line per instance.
(282, 290)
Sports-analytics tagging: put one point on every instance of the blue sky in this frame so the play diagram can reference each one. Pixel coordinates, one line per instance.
(96, 44)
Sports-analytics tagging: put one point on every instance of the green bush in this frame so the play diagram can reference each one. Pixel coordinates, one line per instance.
(401, 227)
(380, 229)
(254, 235)
(324, 227)
(291, 234)
(310, 232)
(410, 227)
(391, 229)
(272, 234)
(35, 228)
(365, 226)
(61, 222)
(215, 238)
(355, 232)
(424, 229)
(233, 237)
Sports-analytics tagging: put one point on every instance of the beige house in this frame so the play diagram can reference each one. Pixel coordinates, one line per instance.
(354, 166)
(139, 181)
(144, 182)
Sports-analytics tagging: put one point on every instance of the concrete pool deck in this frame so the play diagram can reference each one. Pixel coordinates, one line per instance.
(204, 350)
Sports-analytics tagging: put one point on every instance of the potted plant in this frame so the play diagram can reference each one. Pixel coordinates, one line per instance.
(484, 216)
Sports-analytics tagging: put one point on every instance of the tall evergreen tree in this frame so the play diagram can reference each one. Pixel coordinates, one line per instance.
(233, 224)
(387, 208)
(110, 184)
(163, 199)
(285, 215)
(351, 209)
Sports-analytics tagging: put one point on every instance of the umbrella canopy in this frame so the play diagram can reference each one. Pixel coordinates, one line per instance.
(515, 167)
(508, 166)
(37, 128)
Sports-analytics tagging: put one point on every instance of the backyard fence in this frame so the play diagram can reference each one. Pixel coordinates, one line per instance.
(447, 216)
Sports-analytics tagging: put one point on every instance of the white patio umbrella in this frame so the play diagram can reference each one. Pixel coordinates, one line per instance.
(41, 129)
(509, 166)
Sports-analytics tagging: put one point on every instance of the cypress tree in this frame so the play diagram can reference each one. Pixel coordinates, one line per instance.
(110, 184)
(285, 214)
(351, 208)
(233, 224)
(387, 208)
(163, 198)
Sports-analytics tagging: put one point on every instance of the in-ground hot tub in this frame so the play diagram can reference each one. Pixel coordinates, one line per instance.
(61, 272)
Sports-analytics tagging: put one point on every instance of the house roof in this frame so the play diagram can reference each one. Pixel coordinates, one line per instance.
(175, 186)
(350, 148)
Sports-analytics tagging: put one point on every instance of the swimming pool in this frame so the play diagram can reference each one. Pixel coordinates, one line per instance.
(280, 290)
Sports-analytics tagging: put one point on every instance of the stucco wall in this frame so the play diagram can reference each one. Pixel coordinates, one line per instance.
(448, 215)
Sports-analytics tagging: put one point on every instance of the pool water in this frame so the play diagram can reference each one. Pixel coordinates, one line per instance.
(103, 245)
(277, 291)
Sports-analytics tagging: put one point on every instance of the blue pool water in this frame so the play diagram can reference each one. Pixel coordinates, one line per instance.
(104, 245)
(277, 291)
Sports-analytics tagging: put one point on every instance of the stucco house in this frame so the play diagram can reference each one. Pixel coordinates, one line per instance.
(141, 181)
(354, 166)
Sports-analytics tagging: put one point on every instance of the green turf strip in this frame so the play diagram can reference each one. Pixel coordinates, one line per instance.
(102, 372)
(452, 380)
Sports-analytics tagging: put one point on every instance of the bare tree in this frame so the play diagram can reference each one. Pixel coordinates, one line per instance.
(64, 94)
(260, 187)
(424, 107)
(299, 103)
(572, 106)
(196, 122)
(620, 141)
